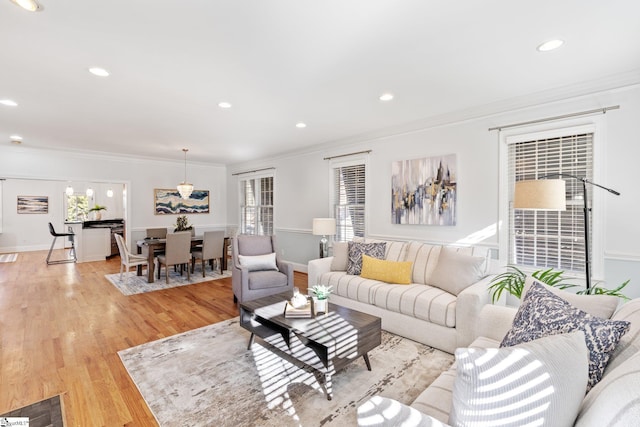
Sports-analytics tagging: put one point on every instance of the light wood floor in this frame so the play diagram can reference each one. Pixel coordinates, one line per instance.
(61, 327)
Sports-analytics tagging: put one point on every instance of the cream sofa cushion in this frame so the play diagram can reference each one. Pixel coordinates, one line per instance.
(602, 306)
(528, 384)
(456, 271)
(340, 256)
(615, 400)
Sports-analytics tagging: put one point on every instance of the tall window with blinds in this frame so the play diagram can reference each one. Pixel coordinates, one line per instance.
(349, 201)
(552, 239)
(256, 205)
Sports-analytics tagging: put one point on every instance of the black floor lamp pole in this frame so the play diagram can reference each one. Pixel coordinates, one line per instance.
(587, 254)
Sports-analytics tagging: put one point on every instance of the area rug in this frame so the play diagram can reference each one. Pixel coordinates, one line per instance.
(8, 257)
(47, 412)
(132, 284)
(207, 377)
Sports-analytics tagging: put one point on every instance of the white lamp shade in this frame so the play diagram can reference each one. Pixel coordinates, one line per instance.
(324, 226)
(540, 194)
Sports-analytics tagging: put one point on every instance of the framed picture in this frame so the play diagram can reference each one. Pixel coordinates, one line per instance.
(33, 204)
(424, 191)
(169, 202)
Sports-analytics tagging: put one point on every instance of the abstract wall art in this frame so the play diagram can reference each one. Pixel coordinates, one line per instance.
(169, 202)
(424, 191)
(33, 204)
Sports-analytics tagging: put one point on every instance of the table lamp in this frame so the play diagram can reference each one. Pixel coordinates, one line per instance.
(324, 227)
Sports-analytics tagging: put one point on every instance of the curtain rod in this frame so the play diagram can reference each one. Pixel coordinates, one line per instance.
(256, 170)
(349, 154)
(564, 116)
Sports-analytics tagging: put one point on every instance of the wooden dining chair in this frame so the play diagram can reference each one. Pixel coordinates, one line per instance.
(127, 259)
(177, 252)
(212, 250)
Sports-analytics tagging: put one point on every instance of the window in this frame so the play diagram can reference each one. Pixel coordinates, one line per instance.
(349, 201)
(77, 207)
(256, 205)
(551, 239)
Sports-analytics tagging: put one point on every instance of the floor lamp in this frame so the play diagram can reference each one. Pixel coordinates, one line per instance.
(324, 227)
(549, 194)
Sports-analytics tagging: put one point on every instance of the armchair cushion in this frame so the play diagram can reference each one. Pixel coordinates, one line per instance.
(266, 279)
(254, 245)
(258, 262)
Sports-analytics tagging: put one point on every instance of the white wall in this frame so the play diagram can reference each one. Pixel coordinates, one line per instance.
(46, 173)
(302, 182)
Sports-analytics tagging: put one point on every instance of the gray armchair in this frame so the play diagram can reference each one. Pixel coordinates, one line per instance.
(251, 282)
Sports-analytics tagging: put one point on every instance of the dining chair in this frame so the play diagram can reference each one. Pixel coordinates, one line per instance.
(157, 233)
(177, 252)
(127, 259)
(212, 250)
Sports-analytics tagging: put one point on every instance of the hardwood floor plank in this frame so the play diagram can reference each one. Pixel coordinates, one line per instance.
(61, 327)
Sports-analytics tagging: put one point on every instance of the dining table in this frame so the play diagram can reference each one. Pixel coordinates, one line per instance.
(152, 245)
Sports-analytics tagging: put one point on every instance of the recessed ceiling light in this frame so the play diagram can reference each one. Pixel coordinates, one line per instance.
(386, 97)
(15, 139)
(30, 5)
(550, 45)
(8, 102)
(224, 105)
(301, 125)
(100, 72)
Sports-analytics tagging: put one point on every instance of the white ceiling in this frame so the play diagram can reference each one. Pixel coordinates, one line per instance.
(283, 61)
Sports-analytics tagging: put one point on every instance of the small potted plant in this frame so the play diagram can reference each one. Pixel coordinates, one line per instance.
(182, 224)
(97, 210)
(321, 296)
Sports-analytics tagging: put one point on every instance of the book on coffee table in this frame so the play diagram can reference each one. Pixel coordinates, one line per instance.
(291, 312)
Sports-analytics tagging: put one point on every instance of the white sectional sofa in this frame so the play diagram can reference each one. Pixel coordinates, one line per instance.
(613, 401)
(438, 308)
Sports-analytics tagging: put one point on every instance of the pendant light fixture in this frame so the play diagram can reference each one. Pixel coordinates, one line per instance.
(185, 189)
(30, 5)
(69, 190)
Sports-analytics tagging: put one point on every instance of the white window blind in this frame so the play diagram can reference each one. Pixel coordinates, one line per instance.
(550, 238)
(256, 206)
(349, 201)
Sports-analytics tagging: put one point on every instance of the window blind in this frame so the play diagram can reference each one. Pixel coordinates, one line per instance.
(256, 208)
(550, 238)
(349, 201)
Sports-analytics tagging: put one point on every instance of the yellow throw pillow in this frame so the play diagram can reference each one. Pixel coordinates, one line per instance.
(386, 271)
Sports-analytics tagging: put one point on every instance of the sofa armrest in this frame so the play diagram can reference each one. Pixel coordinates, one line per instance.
(468, 305)
(384, 412)
(316, 268)
(495, 321)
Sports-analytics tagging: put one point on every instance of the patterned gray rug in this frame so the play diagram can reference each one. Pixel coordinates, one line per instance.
(132, 284)
(207, 377)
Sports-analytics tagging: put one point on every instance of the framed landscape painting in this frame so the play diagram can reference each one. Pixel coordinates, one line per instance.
(33, 204)
(169, 202)
(424, 191)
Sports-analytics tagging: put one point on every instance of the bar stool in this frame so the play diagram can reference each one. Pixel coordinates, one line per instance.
(71, 235)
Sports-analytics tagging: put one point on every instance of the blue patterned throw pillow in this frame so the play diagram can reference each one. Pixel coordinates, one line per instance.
(356, 250)
(542, 314)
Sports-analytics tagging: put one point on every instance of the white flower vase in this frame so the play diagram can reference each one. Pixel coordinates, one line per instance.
(321, 305)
